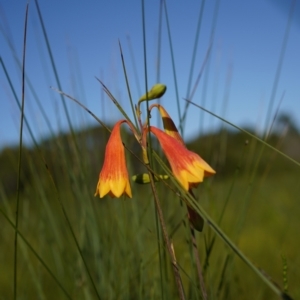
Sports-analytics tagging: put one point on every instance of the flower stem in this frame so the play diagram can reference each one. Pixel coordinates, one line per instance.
(198, 265)
(167, 241)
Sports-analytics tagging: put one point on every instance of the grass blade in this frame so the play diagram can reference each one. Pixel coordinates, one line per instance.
(20, 158)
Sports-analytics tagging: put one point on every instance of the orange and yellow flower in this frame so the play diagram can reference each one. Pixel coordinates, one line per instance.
(113, 178)
(188, 167)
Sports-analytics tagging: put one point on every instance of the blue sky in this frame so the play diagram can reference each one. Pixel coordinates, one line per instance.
(237, 82)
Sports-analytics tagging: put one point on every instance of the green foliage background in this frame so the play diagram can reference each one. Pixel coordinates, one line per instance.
(118, 236)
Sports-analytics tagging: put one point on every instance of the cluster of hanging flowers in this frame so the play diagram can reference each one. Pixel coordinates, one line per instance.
(187, 167)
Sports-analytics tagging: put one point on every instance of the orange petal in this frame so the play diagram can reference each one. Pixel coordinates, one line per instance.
(188, 167)
(113, 178)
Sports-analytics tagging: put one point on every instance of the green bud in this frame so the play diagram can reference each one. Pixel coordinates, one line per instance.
(157, 91)
(144, 178)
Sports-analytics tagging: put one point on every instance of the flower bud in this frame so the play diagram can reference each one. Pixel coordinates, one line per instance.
(156, 91)
(144, 178)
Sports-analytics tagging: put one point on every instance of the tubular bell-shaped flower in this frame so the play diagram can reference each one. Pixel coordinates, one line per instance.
(171, 129)
(188, 167)
(113, 178)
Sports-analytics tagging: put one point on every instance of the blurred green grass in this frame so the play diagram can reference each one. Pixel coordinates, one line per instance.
(118, 237)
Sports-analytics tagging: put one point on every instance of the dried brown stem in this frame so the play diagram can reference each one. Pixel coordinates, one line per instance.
(198, 265)
(167, 241)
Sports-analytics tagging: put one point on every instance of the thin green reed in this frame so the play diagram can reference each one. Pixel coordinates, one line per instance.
(190, 235)
(37, 147)
(268, 126)
(128, 88)
(20, 158)
(135, 73)
(211, 242)
(275, 86)
(279, 69)
(195, 47)
(53, 66)
(52, 62)
(82, 171)
(29, 84)
(195, 205)
(159, 237)
(206, 75)
(248, 133)
(159, 38)
(21, 130)
(189, 94)
(173, 65)
(35, 253)
(13, 90)
(162, 254)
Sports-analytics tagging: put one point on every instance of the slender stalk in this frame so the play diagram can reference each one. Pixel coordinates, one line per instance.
(134, 66)
(207, 73)
(279, 68)
(183, 117)
(28, 84)
(210, 246)
(198, 265)
(38, 257)
(198, 208)
(73, 234)
(114, 100)
(160, 256)
(18, 102)
(195, 48)
(150, 147)
(127, 84)
(173, 66)
(159, 42)
(233, 247)
(191, 95)
(167, 240)
(20, 159)
(53, 64)
(247, 132)
(196, 256)
(83, 106)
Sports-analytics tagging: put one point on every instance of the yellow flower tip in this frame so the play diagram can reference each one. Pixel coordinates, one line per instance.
(118, 194)
(188, 167)
(210, 173)
(208, 170)
(190, 177)
(115, 185)
(97, 191)
(113, 178)
(120, 187)
(128, 192)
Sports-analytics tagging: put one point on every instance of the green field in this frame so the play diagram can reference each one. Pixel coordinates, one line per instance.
(118, 238)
